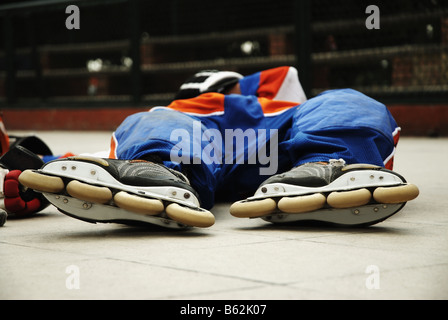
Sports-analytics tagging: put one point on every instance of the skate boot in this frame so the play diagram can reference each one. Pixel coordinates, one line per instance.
(336, 193)
(122, 191)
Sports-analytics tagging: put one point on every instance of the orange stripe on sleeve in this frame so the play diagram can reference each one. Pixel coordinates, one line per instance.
(205, 104)
(270, 82)
(272, 107)
(113, 147)
(389, 164)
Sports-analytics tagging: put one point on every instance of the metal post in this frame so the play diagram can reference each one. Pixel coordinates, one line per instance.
(10, 85)
(174, 17)
(303, 40)
(134, 22)
(35, 57)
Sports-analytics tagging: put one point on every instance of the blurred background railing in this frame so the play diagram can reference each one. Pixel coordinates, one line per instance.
(137, 53)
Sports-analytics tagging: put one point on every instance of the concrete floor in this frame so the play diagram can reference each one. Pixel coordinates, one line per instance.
(52, 256)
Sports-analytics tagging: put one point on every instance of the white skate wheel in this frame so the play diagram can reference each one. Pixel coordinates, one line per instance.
(138, 204)
(41, 182)
(349, 199)
(89, 192)
(253, 208)
(196, 218)
(302, 204)
(396, 194)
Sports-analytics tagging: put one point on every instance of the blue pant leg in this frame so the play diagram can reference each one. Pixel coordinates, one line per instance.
(167, 134)
(341, 124)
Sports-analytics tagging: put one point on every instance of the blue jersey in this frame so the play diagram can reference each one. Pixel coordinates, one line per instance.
(229, 144)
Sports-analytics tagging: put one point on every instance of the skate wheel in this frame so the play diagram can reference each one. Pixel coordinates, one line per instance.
(302, 204)
(138, 204)
(196, 218)
(254, 208)
(88, 192)
(349, 199)
(41, 182)
(397, 194)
